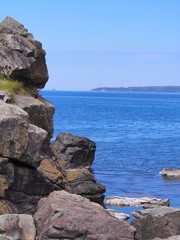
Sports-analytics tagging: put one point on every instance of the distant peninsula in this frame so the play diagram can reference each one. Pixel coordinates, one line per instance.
(153, 89)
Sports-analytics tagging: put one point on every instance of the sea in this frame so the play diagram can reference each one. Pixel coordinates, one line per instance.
(136, 136)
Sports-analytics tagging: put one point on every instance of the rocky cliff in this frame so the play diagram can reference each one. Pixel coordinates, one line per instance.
(30, 166)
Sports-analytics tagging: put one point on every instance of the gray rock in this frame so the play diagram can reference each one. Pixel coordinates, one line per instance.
(169, 238)
(74, 151)
(40, 112)
(17, 226)
(36, 137)
(156, 211)
(115, 201)
(68, 216)
(14, 123)
(5, 96)
(21, 57)
(118, 215)
(3, 237)
(170, 173)
(159, 222)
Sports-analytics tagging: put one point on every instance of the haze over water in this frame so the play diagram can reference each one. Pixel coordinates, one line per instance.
(136, 134)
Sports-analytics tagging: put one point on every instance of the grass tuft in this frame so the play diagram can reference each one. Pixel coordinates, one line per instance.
(15, 87)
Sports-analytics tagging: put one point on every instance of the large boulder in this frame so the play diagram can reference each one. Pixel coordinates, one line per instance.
(158, 222)
(21, 57)
(75, 154)
(68, 216)
(40, 112)
(17, 226)
(74, 151)
(14, 123)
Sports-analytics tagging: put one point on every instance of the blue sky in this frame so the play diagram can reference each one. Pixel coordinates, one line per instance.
(104, 43)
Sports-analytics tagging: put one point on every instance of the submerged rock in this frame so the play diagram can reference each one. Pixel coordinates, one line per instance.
(171, 173)
(115, 201)
(69, 216)
(158, 222)
(21, 57)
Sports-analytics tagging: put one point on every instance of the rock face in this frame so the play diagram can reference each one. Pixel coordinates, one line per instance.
(14, 123)
(170, 173)
(68, 216)
(36, 137)
(115, 201)
(158, 222)
(40, 112)
(21, 57)
(28, 168)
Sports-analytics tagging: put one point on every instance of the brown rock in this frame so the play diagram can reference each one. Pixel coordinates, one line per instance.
(49, 169)
(21, 57)
(3, 186)
(6, 207)
(68, 216)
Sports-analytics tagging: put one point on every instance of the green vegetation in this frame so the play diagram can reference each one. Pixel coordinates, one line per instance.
(15, 87)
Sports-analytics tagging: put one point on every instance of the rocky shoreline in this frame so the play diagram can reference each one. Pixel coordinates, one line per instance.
(47, 189)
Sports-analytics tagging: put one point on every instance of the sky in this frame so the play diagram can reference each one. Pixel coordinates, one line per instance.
(104, 43)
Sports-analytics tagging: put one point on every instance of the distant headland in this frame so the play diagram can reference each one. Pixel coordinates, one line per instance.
(153, 89)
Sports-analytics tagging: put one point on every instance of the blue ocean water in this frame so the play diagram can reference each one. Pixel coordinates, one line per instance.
(136, 134)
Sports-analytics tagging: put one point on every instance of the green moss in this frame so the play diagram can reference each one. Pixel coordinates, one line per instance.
(15, 87)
